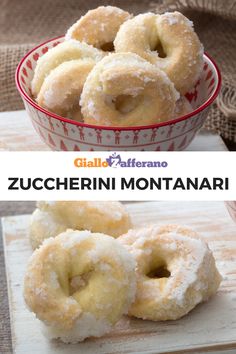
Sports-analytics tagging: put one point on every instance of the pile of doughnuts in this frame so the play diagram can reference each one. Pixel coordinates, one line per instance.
(114, 69)
(80, 283)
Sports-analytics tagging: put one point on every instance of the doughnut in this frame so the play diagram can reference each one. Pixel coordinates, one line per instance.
(125, 90)
(175, 271)
(69, 50)
(79, 284)
(52, 218)
(99, 27)
(182, 107)
(61, 90)
(167, 41)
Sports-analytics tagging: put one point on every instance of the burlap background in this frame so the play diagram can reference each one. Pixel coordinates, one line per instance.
(25, 23)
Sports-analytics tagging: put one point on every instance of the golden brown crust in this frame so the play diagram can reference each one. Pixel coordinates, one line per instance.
(145, 34)
(98, 27)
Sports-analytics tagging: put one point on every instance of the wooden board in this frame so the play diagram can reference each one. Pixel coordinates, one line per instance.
(18, 134)
(210, 327)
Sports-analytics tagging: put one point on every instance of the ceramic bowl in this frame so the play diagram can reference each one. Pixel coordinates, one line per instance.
(64, 134)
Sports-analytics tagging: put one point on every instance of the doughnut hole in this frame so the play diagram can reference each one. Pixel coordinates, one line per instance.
(155, 44)
(124, 104)
(108, 47)
(159, 49)
(157, 271)
(77, 282)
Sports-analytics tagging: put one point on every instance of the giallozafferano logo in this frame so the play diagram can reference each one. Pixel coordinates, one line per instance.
(115, 160)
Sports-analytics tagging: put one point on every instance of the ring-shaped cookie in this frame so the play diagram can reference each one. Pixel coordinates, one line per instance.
(79, 284)
(125, 90)
(98, 27)
(61, 90)
(167, 41)
(175, 271)
(65, 51)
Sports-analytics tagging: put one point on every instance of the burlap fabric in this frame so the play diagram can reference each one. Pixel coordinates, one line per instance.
(26, 23)
(8, 208)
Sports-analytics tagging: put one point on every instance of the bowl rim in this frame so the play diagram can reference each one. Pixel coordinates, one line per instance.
(114, 128)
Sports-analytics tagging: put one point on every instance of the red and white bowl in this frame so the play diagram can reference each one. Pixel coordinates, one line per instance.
(64, 134)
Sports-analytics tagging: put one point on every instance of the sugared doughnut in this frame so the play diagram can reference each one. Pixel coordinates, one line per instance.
(175, 271)
(167, 41)
(125, 90)
(182, 107)
(79, 284)
(69, 50)
(99, 27)
(51, 218)
(61, 90)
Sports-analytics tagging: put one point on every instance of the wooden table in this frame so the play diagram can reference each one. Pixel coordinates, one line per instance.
(18, 134)
(209, 328)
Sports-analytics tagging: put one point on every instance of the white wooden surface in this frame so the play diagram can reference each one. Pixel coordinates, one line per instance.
(18, 134)
(210, 327)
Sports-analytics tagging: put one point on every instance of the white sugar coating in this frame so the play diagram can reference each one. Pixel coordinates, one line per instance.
(131, 60)
(175, 17)
(188, 259)
(61, 89)
(113, 250)
(191, 265)
(147, 79)
(122, 257)
(94, 255)
(114, 208)
(54, 280)
(48, 241)
(172, 20)
(45, 220)
(115, 270)
(107, 217)
(50, 99)
(172, 246)
(92, 108)
(65, 51)
(71, 238)
(112, 10)
(140, 242)
(96, 21)
(86, 326)
(87, 50)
